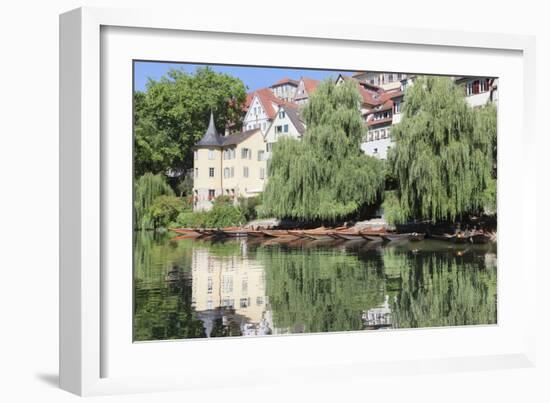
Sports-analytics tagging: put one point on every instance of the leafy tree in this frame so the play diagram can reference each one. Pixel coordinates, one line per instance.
(165, 210)
(146, 190)
(444, 157)
(172, 115)
(325, 176)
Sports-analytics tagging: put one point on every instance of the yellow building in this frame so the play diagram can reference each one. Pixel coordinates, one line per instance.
(233, 165)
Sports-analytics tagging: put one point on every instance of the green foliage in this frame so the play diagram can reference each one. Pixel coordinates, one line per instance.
(444, 158)
(146, 189)
(438, 289)
(325, 176)
(392, 210)
(172, 115)
(249, 207)
(321, 290)
(222, 214)
(164, 210)
(162, 310)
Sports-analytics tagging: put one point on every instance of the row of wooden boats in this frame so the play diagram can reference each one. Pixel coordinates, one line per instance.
(321, 233)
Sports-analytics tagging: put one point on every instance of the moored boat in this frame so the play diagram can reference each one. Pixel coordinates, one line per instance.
(349, 235)
(189, 232)
(277, 233)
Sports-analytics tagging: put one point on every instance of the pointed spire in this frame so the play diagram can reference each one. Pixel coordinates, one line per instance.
(211, 137)
(211, 125)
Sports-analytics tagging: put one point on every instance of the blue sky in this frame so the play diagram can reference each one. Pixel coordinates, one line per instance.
(252, 77)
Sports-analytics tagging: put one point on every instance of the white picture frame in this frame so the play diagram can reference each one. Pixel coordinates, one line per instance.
(88, 317)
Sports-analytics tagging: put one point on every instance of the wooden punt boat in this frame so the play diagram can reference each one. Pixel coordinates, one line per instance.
(189, 232)
(276, 233)
(318, 234)
(297, 232)
(372, 238)
(234, 232)
(350, 235)
(255, 233)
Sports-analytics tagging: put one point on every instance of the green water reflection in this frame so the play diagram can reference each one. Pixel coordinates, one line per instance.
(194, 288)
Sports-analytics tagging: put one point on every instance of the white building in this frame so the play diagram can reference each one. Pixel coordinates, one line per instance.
(285, 89)
(261, 109)
(287, 122)
(306, 87)
(479, 90)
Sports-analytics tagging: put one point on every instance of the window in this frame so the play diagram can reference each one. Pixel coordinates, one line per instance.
(210, 154)
(245, 172)
(196, 173)
(383, 133)
(397, 107)
(371, 135)
(260, 155)
(226, 172)
(244, 285)
(278, 129)
(259, 300)
(282, 114)
(285, 128)
(246, 153)
(227, 283)
(210, 283)
(211, 172)
(211, 194)
(262, 173)
(244, 302)
(269, 147)
(196, 154)
(377, 135)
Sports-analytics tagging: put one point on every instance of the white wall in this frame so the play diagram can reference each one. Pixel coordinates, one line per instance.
(29, 206)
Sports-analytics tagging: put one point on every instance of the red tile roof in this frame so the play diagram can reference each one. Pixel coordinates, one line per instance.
(267, 99)
(310, 84)
(285, 80)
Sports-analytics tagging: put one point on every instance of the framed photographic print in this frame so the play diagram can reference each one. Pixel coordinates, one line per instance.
(239, 194)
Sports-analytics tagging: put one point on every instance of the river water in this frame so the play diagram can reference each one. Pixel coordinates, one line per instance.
(237, 287)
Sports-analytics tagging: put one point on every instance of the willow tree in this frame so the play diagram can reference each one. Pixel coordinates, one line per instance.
(325, 176)
(147, 188)
(444, 155)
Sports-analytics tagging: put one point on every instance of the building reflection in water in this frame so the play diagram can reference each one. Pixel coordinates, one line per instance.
(228, 294)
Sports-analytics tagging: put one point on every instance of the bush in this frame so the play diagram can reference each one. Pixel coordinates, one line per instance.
(164, 210)
(223, 214)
